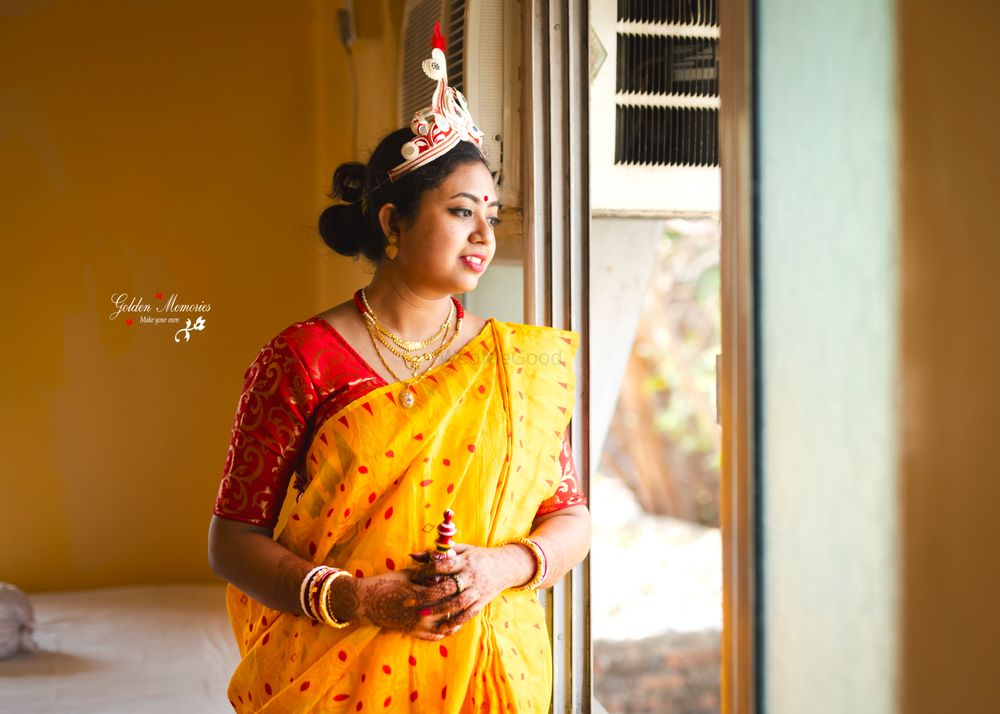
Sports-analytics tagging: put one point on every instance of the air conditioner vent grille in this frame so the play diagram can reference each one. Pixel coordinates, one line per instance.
(666, 64)
(674, 136)
(667, 83)
(417, 87)
(456, 46)
(675, 12)
(420, 26)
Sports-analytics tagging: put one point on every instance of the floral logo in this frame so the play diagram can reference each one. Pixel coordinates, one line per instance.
(199, 324)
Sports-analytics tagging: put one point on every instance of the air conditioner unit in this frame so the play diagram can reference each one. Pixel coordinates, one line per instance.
(483, 53)
(654, 107)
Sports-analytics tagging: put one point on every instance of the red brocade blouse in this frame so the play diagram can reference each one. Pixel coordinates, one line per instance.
(302, 376)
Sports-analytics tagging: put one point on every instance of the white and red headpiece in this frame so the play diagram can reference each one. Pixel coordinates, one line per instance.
(439, 127)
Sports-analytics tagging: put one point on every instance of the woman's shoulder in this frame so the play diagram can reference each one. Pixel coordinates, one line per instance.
(305, 337)
(538, 344)
(541, 365)
(517, 332)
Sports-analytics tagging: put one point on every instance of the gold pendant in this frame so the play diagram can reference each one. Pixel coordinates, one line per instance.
(406, 398)
(413, 362)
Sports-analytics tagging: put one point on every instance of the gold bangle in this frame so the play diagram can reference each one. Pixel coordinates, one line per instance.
(324, 602)
(541, 566)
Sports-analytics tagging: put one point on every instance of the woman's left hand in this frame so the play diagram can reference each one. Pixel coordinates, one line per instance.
(478, 575)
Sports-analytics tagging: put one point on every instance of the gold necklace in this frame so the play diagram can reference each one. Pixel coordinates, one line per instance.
(412, 362)
(406, 398)
(408, 345)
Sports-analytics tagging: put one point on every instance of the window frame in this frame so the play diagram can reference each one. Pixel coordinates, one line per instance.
(556, 235)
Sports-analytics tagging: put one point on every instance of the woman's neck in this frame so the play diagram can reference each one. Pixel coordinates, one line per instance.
(400, 310)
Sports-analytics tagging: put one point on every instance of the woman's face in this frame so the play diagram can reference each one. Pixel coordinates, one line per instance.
(446, 247)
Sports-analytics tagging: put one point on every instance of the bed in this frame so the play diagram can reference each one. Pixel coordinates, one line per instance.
(141, 650)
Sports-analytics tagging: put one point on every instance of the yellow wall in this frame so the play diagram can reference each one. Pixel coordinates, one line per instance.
(182, 147)
(950, 479)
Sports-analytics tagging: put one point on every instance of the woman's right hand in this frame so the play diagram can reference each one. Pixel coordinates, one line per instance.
(390, 601)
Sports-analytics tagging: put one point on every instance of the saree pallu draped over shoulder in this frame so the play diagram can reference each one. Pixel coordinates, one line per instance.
(482, 439)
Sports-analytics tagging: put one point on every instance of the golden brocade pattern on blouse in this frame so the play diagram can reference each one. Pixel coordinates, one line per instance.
(276, 366)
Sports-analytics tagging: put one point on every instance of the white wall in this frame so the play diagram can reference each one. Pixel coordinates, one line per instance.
(623, 256)
(828, 270)
(499, 294)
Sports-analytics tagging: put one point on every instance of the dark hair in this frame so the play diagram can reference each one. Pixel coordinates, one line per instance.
(348, 230)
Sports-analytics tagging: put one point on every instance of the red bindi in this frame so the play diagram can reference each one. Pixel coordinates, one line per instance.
(485, 198)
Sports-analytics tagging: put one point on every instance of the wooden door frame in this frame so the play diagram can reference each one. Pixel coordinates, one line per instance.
(738, 363)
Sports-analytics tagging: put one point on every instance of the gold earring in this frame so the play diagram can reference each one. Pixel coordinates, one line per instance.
(392, 249)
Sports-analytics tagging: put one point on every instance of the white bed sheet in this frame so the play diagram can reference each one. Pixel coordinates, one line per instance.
(159, 649)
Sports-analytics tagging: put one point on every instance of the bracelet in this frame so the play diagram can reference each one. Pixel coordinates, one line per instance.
(314, 587)
(314, 594)
(304, 600)
(541, 563)
(325, 611)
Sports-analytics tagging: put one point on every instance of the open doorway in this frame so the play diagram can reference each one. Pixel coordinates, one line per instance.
(656, 593)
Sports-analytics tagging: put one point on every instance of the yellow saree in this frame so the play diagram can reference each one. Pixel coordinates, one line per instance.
(483, 439)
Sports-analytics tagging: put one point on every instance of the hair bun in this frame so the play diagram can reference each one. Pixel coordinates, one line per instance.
(342, 227)
(348, 182)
